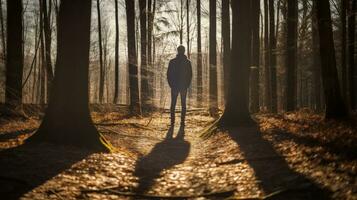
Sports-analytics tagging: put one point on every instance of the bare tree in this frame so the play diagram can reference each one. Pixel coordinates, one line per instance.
(351, 52)
(213, 97)
(3, 39)
(291, 50)
(226, 42)
(116, 62)
(14, 54)
(199, 56)
(135, 106)
(255, 59)
(236, 112)
(335, 107)
(67, 119)
(101, 65)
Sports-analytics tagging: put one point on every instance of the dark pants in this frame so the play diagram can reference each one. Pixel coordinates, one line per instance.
(174, 94)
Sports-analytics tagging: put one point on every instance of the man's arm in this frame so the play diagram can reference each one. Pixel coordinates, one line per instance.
(189, 78)
(169, 74)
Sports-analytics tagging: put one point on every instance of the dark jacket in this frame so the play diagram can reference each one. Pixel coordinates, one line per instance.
(179, 73)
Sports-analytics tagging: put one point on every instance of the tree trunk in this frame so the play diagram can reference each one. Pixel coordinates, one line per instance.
(135, 106)
(116, 62)
(3, 39)
(335, 107)
(272, 58)
(236, 112)
(267, 89)
(213, 102)
(145, 96)
(47, 35)
(351, 53)
(188, 27)
(181, 21)
(343, 48)
(291, 58)
(150, 65)
(101, 65)
(316, 60)
(67, 119)
(255, 59)
(226, 37)
(199, 57)
(14, 55)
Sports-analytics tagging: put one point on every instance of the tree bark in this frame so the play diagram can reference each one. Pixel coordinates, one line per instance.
(226, 37)
(47, 36)
(236, 112)
(267, 81)
(116, 59)
(291, 58)
(145, 88)
(14, 55)
(335, 107)
(3, 39)
(67, 119)
(135, 106)
(101, 65)
(199, 56)
(351, 53)
(343, 48)
(316, 60)
(188, 27)
(255, 59)
(213, 97)
(272, 58)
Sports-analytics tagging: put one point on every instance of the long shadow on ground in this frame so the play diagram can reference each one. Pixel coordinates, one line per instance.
(171, 151)
(271, 169)
(28, 166)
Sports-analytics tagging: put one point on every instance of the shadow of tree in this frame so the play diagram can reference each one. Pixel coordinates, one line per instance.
(28, 166)
(273, 172)
(164, 155)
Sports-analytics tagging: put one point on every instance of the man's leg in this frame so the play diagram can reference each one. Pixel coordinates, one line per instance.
(174, 94)
(183, 95)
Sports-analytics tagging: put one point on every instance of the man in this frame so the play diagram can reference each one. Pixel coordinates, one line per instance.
(179, 76)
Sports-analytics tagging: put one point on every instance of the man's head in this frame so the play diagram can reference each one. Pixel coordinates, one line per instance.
(181, 50)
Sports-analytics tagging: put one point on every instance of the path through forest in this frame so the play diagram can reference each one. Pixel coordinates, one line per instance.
(155, 161)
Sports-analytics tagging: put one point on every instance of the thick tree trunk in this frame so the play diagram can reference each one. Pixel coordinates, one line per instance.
(14, 55)
(213, 97)
(335, 107)
(255, 59)
(199, 57)
(267, 81)
(135, 106)
(101, 65)
(351, 53)
(291, 58)
(116, 57)
(236, 112)
(145, 93)
(67, 119)
(226, 37)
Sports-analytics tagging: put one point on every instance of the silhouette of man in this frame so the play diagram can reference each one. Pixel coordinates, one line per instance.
(179, 76)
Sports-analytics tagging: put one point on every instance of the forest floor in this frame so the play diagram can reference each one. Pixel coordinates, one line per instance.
(287, 156)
